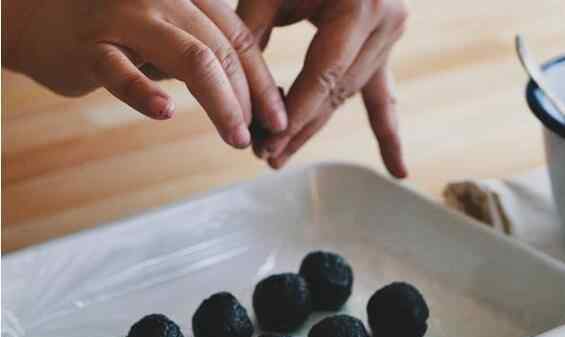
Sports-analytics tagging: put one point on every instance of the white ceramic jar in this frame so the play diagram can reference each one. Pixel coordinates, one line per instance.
(554, 127)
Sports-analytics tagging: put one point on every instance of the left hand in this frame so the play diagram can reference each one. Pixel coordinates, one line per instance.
(348, 54)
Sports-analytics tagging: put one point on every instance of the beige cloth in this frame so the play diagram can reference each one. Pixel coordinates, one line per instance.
(521, 206)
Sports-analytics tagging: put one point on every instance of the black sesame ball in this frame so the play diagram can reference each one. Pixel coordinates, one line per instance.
(282, 302)
(221, 315)
(155, 325)
(339, 326)
(329, 277)
(398, 309)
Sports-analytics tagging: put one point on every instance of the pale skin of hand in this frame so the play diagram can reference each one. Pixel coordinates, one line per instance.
(348, 54)
(76, 46)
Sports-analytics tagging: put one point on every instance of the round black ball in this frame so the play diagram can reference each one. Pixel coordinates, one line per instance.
(221, 315)
(330, 279)
(282, 302)
(155, 325)
(339, 326)
(398, 309)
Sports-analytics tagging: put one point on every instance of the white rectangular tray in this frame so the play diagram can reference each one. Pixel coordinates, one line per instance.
(98, 282)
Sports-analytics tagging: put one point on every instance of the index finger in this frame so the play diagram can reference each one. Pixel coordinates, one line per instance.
(332, 51)
(265, 97)
(185, 57)
(381, 108)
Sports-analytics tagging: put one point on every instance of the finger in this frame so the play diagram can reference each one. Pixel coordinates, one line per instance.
(332, 51)
(266, 101)
(194, 21)
(372, 56)
(381, 108)
(299, 140)
(114, 70)
(258, 136)
(376, 49)
(184, 57)
(260, 17)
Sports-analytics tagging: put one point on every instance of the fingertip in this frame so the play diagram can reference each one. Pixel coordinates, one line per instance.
(239, 137)
(160, 108)
(401, 173)
(277, 162)
(280, 122)
(259, 151)
(397, 169)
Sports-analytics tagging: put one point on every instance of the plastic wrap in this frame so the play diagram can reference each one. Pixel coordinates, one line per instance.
(99, 282)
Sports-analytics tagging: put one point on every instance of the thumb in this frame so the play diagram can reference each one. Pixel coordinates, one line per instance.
(260, 17)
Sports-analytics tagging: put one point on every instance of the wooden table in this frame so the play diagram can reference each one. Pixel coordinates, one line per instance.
(69, 164)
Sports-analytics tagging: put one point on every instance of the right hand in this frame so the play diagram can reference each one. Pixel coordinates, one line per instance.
(348, 54)
(76, 46)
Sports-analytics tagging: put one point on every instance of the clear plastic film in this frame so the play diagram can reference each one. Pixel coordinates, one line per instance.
(99, 282)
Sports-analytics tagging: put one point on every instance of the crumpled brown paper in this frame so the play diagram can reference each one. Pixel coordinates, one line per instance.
(520, 206)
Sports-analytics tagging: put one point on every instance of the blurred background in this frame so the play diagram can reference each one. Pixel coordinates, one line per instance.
(69, 164)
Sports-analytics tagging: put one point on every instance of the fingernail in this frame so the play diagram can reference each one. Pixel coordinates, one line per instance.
(403, 172)
(161, 107)
(239, 137)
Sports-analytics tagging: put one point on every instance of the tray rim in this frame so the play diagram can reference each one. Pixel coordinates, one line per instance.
(475, 225)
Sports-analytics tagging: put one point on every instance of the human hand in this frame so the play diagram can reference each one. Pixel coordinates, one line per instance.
(348, 54)
(76, 46)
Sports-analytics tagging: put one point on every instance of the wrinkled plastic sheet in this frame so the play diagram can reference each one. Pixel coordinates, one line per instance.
(99, 282)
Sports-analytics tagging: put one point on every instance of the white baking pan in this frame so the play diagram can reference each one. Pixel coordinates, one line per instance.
(97, 283)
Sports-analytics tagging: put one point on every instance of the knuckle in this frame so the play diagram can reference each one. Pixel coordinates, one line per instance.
(328, 78)
(243, 40)
(104, 61)
(229, 61)
(203, 61)
(339, 95)
(199, 55)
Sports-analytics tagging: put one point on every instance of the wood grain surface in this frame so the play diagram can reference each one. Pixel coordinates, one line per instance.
(70, 164)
